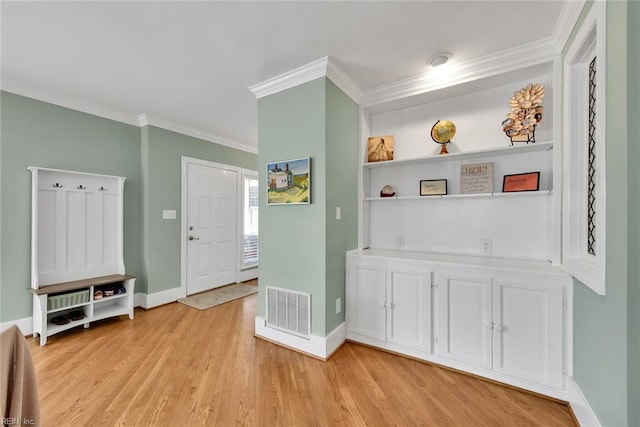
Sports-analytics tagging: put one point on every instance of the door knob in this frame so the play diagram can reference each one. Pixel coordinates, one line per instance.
(193, 237)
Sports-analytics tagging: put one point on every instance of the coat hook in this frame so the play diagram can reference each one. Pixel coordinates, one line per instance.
(102, 188)
(57, 185)
(81, 187)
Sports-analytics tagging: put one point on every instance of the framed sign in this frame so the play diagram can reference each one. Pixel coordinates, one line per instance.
(289, 182)
(521, 182)
(476, 178)
(433, 187)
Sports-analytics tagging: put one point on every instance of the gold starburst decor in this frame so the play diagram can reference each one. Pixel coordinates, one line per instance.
(526, 114)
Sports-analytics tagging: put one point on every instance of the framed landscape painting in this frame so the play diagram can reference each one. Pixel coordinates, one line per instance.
(289, 182)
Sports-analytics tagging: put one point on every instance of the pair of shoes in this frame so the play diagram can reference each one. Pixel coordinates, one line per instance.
(98, 294)
(120, 291)
(61, 320)
(76, 314)
(109, 292)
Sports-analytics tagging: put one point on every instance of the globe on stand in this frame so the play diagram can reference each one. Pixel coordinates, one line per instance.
(442, 132)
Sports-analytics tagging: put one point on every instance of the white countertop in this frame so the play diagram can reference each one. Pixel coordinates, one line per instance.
(533, 266)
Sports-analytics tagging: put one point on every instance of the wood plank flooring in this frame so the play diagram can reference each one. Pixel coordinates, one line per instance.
(177, 366)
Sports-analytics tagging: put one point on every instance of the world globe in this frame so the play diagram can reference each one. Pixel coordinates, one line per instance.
(443, 131)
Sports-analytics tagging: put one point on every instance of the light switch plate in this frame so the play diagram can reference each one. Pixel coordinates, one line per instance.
(168, 214)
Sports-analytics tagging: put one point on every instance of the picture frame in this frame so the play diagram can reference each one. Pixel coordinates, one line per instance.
(380, 148)
(529, 181)
(476, 178)
(289, 182)
(433, 187)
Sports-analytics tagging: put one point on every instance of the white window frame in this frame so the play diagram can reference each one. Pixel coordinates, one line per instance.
(590, 41)
(246, 174)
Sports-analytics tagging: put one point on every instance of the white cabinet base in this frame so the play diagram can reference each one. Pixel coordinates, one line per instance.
(94, 309)
(503, 320)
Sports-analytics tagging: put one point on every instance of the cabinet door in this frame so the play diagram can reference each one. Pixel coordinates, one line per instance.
(366, 312)
(409, 308)
(463, 329)
(528, 330)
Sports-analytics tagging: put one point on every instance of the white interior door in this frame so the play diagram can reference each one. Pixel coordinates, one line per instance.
(211, 227)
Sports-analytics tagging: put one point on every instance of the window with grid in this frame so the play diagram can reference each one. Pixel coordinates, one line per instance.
(250, 222)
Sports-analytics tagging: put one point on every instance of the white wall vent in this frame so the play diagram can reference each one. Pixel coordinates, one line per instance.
(289, 311)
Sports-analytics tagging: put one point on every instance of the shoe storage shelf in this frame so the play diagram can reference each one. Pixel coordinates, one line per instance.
(63, 306)
(77, 250)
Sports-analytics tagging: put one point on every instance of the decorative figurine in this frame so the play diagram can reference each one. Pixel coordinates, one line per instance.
(526, 114)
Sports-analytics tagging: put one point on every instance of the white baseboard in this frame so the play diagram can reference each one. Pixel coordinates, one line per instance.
(321, 347)
(248, 274)
(583, 412)
(147, 301)
(25, 324)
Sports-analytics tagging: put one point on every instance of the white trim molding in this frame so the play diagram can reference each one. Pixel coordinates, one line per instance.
(589, 43)
(323, 67)
(146, 120)
(156, 299)
(321, 347)
(580, 406)
(25, 324)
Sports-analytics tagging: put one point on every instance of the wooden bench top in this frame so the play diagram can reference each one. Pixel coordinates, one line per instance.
(78, 284)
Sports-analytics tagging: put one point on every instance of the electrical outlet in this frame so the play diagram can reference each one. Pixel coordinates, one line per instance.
(400, 240)
(486, 246)
(338, 305)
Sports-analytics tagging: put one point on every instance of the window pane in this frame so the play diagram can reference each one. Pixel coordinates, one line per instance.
(250, 226)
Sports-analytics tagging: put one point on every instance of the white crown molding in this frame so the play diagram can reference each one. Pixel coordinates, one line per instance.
(146, 120)
(530, 54)
(323, 67)
(139, 120)
(343, 81)
(71, 103)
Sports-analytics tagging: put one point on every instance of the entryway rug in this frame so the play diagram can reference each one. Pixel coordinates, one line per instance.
(208, 299)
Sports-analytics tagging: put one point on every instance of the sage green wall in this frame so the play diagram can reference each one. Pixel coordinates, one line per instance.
(342, 190)
(35, 133)
(600, 322)
(291, 125)
(162, 152)
(633, 114)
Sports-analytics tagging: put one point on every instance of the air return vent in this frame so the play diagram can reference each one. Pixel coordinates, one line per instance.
(289, 311)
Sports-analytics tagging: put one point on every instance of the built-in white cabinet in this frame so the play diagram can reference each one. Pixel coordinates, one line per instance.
(464, 316)
(503, 319)
(77, 262)
(390, 304)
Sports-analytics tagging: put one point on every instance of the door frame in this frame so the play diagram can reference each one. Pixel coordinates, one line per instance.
(183, 212)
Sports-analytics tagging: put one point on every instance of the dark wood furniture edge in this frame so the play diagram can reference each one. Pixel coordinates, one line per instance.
(78, 284)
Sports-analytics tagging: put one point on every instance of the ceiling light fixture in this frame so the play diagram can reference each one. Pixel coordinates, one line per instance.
(440, 59)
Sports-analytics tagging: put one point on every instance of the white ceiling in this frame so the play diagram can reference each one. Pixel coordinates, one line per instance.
(189, 64)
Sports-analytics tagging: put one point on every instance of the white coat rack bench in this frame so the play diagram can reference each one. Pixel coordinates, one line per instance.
(77, 262)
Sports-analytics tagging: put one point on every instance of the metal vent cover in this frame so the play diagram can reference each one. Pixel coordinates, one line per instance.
(289, 311)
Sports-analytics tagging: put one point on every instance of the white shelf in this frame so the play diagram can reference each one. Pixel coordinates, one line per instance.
(53, 329)
(105, 300)
(112, 310)
(70, 307)
(462, 196)
(491, 152)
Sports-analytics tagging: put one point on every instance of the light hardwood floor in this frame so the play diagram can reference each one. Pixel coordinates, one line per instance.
(177, 366)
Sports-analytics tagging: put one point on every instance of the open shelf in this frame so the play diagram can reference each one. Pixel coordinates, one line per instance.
(491, 152)
(100, 313)
(462, 196)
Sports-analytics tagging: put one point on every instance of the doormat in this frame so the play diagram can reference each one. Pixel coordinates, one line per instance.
(208, 299)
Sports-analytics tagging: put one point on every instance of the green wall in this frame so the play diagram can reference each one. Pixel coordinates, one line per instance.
(342, 177)
(162, 152)
(302, 247)
(35, 133)
(601, 333)
(291, 125)
(633, 114)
